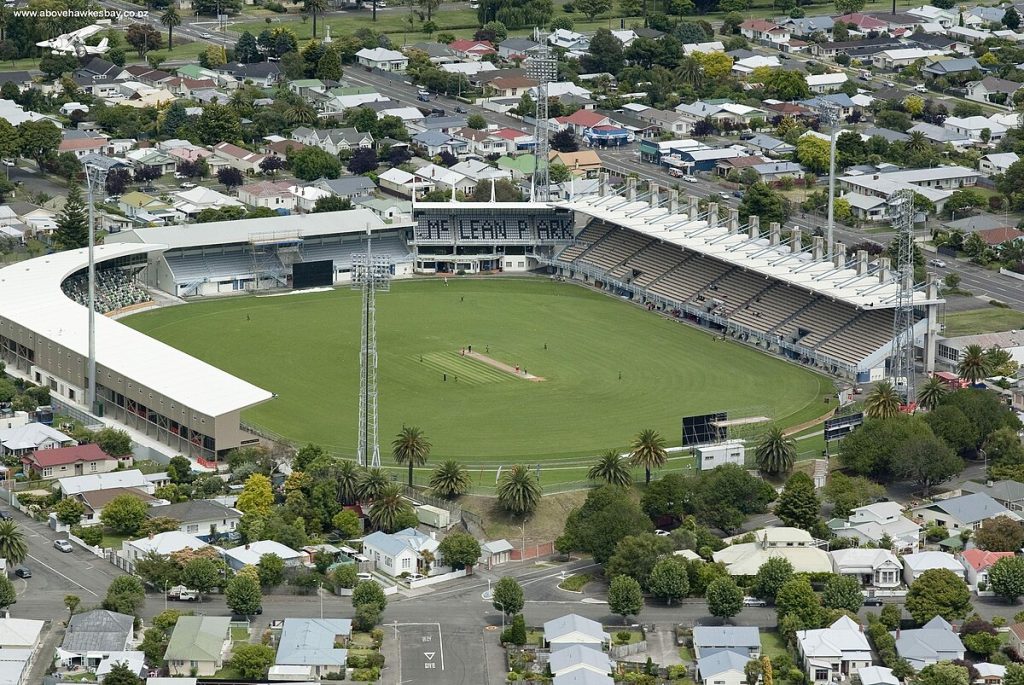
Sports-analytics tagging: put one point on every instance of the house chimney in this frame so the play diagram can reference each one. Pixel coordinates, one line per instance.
(655, 194)
(839, 255)
(713, 215)
(734, 221)
(753, 227)
(794, 240)
(774, 233)
(151, 536)
(247, 545)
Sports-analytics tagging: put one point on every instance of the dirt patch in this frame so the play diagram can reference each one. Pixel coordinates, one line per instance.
(516, 371)
(546, 524)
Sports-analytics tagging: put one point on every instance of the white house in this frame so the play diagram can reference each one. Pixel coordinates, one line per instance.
(916, 564)
(132, 478)
(270, 194)
(930, 644)
(997, 162)
(580, 657)
(400, 552)
(836, 652)
(250, 553)
(877, 675)
(871, 567)
(30, 437)
(161, 543)
(573, 629)
(793, 544)
(383, 59)
(975, 127)
(826, 83)
(203, 518)
(978, 562)
(722, 668)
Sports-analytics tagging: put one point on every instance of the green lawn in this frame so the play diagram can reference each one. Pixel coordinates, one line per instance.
(610, 369)
(772, 645)
(111, 541)
(239, 634)
(988, 320)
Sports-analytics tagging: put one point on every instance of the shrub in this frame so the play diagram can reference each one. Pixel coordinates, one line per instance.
(90, 535)
(622, 637)
(369, 675)
(275, 7)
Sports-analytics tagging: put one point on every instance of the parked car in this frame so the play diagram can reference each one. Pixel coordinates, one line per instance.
(62, 545)
(662, 533)
(675, 173)
(921, 88)
(182, 594)
(460, 110)
(724, 196)
(937, 262)
(206, 35)
(188, 186)
(5, 516)
(364, 576)
(415, 576)
(754, 602)
(738, 193)
(873, 601)
(423, 98)
(23, 572)
(689, 179)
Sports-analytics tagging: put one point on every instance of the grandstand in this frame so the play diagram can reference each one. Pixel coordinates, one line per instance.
(751, 285)
(115, 289)
(258, 254)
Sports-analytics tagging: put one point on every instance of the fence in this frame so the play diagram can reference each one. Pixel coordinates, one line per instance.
(98, 551)
(423, 498)
(434, 580)
(622, 651)
(544, 549)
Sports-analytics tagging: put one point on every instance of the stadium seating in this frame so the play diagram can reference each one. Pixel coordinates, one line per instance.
(590, 234)
(115, 290)
(866, 333)
(615, 249)
(653, 262)
(772, 307)
(687, 282)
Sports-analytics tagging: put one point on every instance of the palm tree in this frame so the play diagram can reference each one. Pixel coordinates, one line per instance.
(301, 113)
(930, 394)
(519, 490)
(387, 508)
(450, 479)
(648, 450)
(372, 484)
(170, 19)
(917, 142)
(347, 474)
(973, 364)
(12, 543)
(410, 447)
(611, 468)
(314, 7)
(690, 72)
(776, 452)
(883, 402)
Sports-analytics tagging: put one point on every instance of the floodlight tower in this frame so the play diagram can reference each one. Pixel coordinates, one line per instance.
(830, 115)
(93, 176)
(370, 274)
(542, 68)
(901, 364)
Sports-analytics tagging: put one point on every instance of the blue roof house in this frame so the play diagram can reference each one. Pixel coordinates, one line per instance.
(311, 643)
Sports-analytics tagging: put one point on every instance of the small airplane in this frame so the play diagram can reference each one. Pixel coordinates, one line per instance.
(73, 43)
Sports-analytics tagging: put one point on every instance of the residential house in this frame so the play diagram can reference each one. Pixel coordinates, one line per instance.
(351, 187)
(199, 645)
(39, 221)
(383, 59)
(996, 237)
(569, 40)
(773, 147)
(472, 49)
(809, 26)
(20, 633)
(978, 562)
(580, 657)
(582, 677)
(146, 208)
(748, 64)
(573, 629)
(95, 500)
(282, 148)
(481, 143)
(401, 552)
(30, 437)
(306, 197)
(389, 209)
(152, 158)
(831, 49)
(762, 31)
(941, 136)
(1009, 493)
(738, 164)
(238, 158)
(871, 523)
(967, 512)
(274, 195)
(202, 518)
(82, 146)
(250, 553)
(992, 90)
(438, 53)
(434, 143)
(584, 163)
(862, 23)
(131, 478)
(968, 35)
(878, 568)
(793, 544)
(333, 140)
(975, 128)
(104, 162)
(989, 674)
(468, 68)
(919, 562)
(930, 644)
(401, 182)
(834, 653)
(521, 166)
(92, 634)
(997, 162)
(722, 668)
(773, 172)
(495, 552)
(481, 172)
(264, 74)
(312, 644)
(582, 120)
(707, 48)
(188, 203)
(509, 86)
(161, 543)
(827, 82)
(50, 464)
(742, 640)
(431, 177)
(1016, 637)
(897, 58)
(518, 140)
(674, 123)
(960, 66)
(22, 79)
(516, 48)
(877, 675)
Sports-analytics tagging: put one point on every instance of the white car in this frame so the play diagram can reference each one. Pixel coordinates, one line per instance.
(689, 179)
(937, 262)
(661, 533)
(921, 88)
(364, 576)
(724, 196)
(206, 35)
(754, 602)
(188, 186)
(62, 545)
(415, 576)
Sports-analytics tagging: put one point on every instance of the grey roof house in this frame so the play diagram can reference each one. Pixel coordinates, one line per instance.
(1008, 493)
(580, 657)
(94, 633)
(573, 629)
(806, 26)
(930, 644)
(744, 640)
(769, 145)
(721, 667)
(351, 187)
(201, 517)
(311, 643)
(964, 512)
(952, 66)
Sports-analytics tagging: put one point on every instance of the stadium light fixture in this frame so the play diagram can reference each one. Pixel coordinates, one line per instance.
(830, 115)
(93, 175)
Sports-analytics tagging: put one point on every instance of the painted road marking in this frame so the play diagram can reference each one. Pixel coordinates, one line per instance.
(70, 580)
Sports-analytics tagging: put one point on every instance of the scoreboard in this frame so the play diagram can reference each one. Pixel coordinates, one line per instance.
(482, 225)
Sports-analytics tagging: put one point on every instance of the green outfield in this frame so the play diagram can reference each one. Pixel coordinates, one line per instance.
(608, 368)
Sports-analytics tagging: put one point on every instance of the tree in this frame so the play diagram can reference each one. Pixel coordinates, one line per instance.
(516, 633)
(508, 596)
(125, 595)
(390, 512)
(170, 18)
(72, 602)
(314, 8)
(37, 140)
(311, 163)
(257, 497)
(565, 141)
(69, 511)
(142, 37)
(242, 594)
(429, 6)
(332, 203)
(625, 597)
(252, 661)
(973, 365)
(270, 570)
(201, 574)
(770, 578)
(776, 453)
(519, 490)
(648, 450)
(781, 83)
(592, 8)
(219, 123)
(346, 522)
(798, 504)
(271, 164)
(762, 200)
(670, 579)
(605, 54)
(939, 592)
(459, 550)
(725, 598)
(813, 153)
(849, 6)
(8, 595)
(1011, 19)
(1007, 578)
(611, 468)
(450, 479)
(124, 514)
(796, 598)
(943, 673)
(636, 555)
(842, 592)
(476, 122)
(883, 401)
(849, 492)
(230, 177)
(372, 483)
(54, 66)
(410, 447)
(73, 221)
(929, 461)
(247, 50)
(876, 448)
(120, 674)
(608, 515)
(369, 593)
(931, 393)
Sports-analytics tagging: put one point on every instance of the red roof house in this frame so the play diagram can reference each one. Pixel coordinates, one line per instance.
(472, 48)
(998, 236)
(978, 563)
(69, 461)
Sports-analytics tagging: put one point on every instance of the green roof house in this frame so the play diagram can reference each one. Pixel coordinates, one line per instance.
(199, 645)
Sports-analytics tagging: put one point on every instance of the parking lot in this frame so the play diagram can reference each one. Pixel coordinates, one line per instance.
(434, 654)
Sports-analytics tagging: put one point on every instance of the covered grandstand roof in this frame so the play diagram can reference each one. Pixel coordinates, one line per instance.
(33, 299)
(240, 231)
(865, 291)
